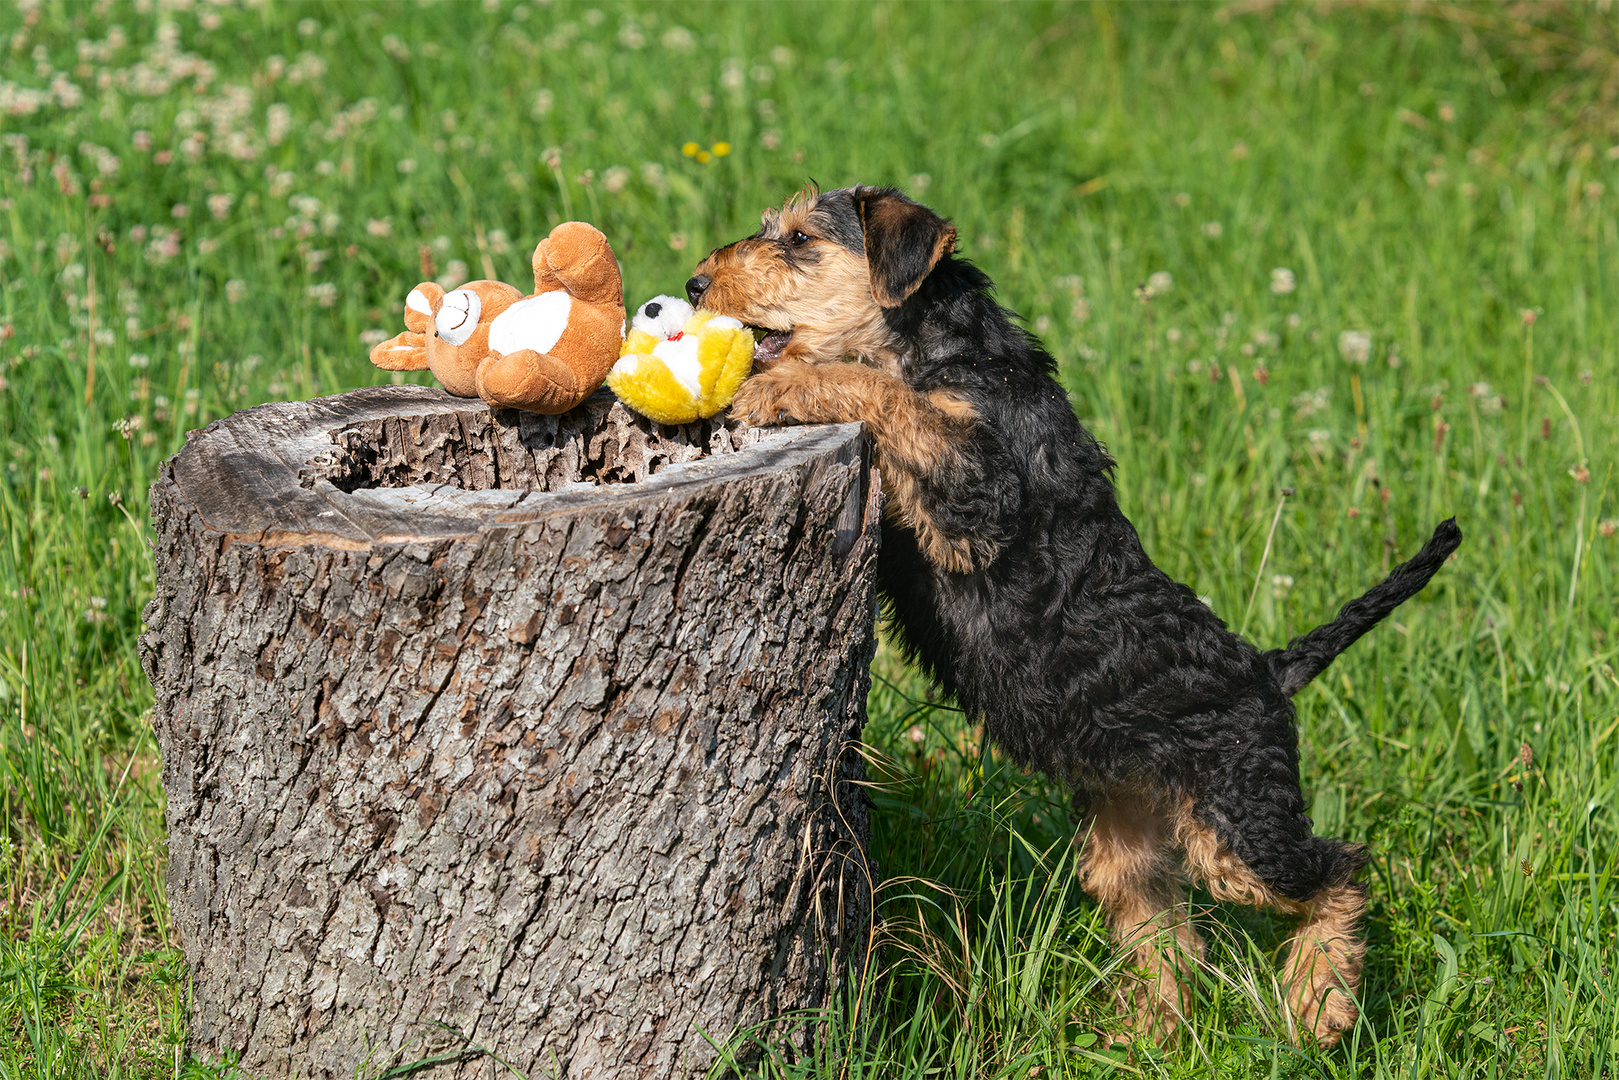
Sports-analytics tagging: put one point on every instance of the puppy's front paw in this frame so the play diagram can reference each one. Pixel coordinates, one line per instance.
(781, 395)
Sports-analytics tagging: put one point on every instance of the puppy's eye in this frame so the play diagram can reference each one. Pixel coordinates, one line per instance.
(798, 239)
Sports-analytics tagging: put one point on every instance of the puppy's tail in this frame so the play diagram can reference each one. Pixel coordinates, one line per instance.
(1308, 656)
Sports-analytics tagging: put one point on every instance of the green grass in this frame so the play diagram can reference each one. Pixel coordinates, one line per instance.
(1426, 175)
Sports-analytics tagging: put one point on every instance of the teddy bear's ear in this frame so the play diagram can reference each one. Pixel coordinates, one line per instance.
(421, 305)
(904, 242)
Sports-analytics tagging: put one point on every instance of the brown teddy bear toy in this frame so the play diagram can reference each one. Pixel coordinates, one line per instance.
(545, 352)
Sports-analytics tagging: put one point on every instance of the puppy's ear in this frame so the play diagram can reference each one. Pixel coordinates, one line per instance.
(904, 242)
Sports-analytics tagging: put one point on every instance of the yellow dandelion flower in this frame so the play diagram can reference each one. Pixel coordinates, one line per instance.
(690, 149)
(721, 149)
(704, 156)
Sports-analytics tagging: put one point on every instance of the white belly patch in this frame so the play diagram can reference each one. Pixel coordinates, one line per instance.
(680, 357)
(535, 323)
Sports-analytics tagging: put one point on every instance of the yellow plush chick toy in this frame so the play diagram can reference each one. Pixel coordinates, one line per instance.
(678, 365)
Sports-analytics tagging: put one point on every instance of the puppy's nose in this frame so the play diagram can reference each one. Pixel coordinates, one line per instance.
(696, 287)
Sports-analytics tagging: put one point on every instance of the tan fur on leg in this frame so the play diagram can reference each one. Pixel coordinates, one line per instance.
(1128, 865)
(1324, 965)
(915, 434)
(1217, 869)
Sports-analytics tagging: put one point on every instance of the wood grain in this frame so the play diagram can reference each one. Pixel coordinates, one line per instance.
(490, 732)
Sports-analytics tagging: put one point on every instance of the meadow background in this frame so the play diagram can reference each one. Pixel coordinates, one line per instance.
(1365, 253)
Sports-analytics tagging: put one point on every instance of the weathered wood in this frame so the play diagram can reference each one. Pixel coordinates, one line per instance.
(535, 735)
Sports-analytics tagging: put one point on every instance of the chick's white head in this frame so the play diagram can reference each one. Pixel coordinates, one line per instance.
(661, 316)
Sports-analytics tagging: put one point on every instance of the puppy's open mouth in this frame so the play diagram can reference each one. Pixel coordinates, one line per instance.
(768, 344)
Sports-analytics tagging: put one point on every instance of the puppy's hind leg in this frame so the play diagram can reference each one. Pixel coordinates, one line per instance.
(1324, 965)
(1129, 865)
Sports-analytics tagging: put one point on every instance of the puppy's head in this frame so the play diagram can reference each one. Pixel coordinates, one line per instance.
(820, 272)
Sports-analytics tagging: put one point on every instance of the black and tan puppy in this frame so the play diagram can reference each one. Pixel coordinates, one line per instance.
(1017, 584)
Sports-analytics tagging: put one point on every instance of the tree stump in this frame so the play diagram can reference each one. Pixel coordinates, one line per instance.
(488, 733)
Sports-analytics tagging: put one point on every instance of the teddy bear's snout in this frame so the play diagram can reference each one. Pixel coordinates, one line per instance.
(458, 316)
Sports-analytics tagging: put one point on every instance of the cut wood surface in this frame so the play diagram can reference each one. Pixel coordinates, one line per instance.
(488, 733)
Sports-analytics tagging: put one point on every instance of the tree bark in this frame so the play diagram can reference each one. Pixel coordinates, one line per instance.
(489, 733)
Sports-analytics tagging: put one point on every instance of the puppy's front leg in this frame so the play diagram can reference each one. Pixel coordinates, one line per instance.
(920, 439)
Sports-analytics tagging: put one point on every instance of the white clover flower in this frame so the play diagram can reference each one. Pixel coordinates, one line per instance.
(1159, 283)
(380, 227)
(1308, 404)
(1213, 230)
(1281, 281)
(277, 123)
(1355, 346)
(455, 274)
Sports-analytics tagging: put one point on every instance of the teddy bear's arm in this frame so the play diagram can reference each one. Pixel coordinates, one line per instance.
(402, 352)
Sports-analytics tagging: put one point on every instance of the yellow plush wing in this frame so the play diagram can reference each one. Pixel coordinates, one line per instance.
(725, 356)
(734, 367)
(645, 384)
(637, 341)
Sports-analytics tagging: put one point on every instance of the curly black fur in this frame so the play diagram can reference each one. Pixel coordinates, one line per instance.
(1083, 658)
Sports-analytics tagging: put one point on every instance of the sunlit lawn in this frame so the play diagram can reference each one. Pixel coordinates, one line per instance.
(1386, 239)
